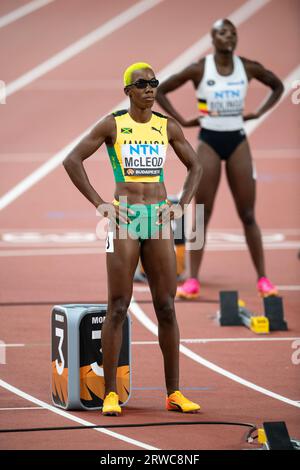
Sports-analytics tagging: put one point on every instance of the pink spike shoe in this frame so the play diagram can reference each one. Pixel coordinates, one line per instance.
(190, 289)
(266, 288)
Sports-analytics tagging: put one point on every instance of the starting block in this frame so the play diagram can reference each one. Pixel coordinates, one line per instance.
(77, 370)
(274, 436)
(274, 311)
(233, 312)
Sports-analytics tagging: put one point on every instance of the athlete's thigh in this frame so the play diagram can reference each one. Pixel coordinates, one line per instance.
(159, 261)
(121, 264)
(239, 170)
(211, 164)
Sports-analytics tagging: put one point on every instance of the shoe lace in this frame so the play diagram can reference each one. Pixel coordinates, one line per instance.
(111, 395)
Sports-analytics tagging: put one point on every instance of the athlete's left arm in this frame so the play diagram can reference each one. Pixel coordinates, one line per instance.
(188, 157)
(268, 78)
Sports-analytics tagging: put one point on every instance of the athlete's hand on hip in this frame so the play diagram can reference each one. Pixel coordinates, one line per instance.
(168, 212)
(115, 213)
(250, 116)
(191, 122)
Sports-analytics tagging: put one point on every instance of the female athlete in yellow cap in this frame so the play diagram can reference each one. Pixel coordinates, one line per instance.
(136, 140)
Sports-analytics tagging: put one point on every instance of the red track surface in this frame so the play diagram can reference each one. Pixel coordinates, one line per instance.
(46, 115)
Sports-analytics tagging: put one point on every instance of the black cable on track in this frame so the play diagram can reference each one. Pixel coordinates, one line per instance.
(134, 425)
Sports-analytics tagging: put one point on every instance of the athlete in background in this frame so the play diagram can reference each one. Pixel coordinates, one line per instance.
(220, 80)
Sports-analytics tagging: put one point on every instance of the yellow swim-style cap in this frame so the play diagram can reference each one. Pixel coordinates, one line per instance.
(129, 71)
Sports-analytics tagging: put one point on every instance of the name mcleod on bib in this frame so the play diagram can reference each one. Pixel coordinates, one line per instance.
(143, 158)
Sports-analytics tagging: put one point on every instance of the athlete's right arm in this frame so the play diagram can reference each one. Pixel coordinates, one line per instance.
(103, 131)
(193, 73)
(73, 163)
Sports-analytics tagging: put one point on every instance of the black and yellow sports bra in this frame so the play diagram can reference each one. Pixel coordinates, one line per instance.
(139, 152)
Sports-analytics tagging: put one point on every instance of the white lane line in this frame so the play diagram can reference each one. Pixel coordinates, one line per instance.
(216, 340)
(148, 323)
(81, 45)
(266, 231)
(23, 11)
(66, 238)
(289, 288)
(72, 417)
(187, 340)
(288, 245)
(101, 250)
(276, 153)
(234, 340)
(213, 234)
(52, 252)
(23, 408)
(240, 15)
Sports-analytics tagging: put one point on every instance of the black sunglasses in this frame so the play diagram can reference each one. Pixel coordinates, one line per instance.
(142, 83)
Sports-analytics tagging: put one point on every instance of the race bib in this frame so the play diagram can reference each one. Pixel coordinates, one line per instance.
(143, 159)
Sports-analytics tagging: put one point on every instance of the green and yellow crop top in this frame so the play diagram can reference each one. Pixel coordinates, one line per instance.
(139, 153)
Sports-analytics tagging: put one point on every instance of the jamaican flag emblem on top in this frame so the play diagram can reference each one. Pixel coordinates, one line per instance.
(126, 130)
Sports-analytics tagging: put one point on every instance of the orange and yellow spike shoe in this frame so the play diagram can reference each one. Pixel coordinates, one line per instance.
(177, 402)
(111, 405)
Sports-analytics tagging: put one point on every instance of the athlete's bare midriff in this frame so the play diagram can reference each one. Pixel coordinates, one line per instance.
(141, 193)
